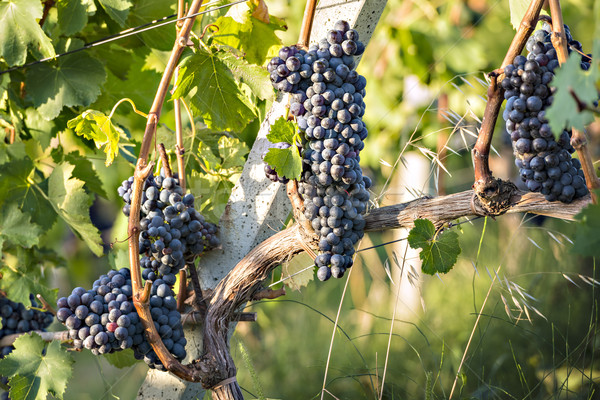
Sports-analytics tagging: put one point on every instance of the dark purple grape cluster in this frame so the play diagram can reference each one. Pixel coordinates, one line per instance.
(104, 319)
(327, 101)
(16, 318)
(173, 232)
(269, 170)
(545, 163)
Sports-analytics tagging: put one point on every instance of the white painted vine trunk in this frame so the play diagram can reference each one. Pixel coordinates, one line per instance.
(257, 208)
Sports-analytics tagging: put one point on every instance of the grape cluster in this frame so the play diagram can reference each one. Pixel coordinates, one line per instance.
(270, 171)
(544, 163)
(173, 232)
(104, 319)
(327, 101)
(18, 319)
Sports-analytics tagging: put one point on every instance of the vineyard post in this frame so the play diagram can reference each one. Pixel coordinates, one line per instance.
(257, 207)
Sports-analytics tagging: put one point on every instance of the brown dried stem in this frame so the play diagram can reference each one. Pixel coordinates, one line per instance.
(142, 170)
(165, 161)
(199, 303)
(578, 138)
(46, 305)
(48, 4)
(485, 184)
(182, 295)
(307, 22)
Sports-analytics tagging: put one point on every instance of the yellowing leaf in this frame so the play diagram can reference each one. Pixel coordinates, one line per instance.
(96, 126)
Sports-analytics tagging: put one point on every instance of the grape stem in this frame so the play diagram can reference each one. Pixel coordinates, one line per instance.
(578, 138)
(165, 160)
(182, 293)
(485, 185)
(307, 22)
(142, 170)
(46, 305)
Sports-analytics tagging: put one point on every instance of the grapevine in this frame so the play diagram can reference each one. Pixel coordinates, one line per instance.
(545, 164)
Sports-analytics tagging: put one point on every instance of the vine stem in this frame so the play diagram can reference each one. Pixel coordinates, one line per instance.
(142, 170)
(307, 22)
(495, 94)
(578, 139)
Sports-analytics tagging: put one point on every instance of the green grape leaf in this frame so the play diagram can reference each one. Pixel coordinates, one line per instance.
(19, 31)
(40, 130)
(587, 240)
(117, 9)
(214, 92)
(17, 186)
(72, 204)
(255, 77)
(84, 170)
(36, 369)
(282, 131)
(73, 80)
(121, 359)
(144, 11)
(287, 162)
(240, 30)
(233, 152)
(24, 281)
(211, 161)
(73, 14)
(438, 252)
(96, 126)
(17, 228)
(570, 79)
(212, 192)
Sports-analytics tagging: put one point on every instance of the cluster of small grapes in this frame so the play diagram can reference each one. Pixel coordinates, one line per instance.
(327, 101)
(18, 319)
(104, 319)
(173, 232)
(545, 164)
(269, 170)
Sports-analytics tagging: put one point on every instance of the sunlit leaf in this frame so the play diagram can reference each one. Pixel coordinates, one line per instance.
(20, 31)
(95, 125)
(214, 92)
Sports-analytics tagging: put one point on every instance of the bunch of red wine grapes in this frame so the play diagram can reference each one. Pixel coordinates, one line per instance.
(173, 233)
(18, 319)
(104, 319)
(327, 100)
(544, 163)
